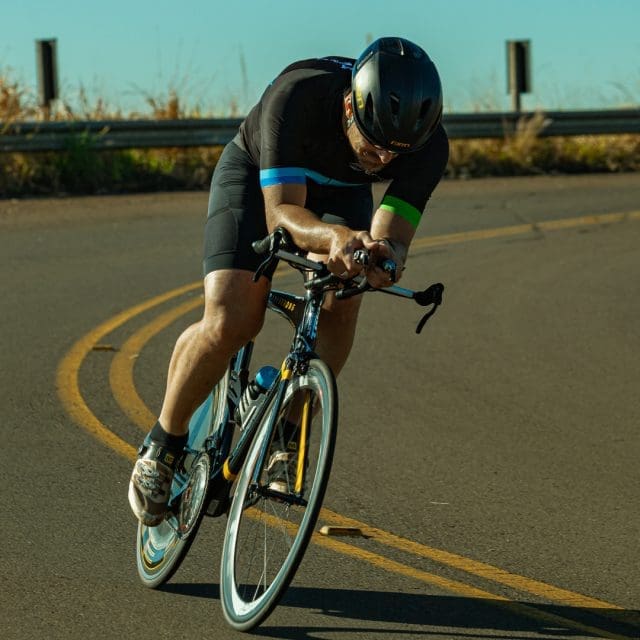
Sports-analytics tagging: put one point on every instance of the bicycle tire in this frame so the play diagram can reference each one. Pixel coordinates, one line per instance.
(243, 609)
(160, 550)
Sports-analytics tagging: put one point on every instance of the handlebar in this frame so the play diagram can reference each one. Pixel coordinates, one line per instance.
(361, 256)
(279, 246)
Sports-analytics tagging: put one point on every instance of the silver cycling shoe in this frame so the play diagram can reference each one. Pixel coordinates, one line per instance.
(150, 484)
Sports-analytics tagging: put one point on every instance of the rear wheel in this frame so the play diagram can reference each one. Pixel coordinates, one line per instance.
(161, 549)
(275, 507)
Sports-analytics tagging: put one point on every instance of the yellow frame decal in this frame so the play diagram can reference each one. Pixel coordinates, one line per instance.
(284, 372)
(302, 449)
(227, 473)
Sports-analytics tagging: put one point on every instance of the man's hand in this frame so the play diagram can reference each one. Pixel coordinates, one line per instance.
(345, 241)
(384, 250)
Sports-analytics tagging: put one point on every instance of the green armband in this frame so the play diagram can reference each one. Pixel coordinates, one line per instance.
(402, 209)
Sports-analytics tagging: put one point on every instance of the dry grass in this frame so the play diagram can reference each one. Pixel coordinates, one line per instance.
(80, 169)
(526, 153)
(516, 157)
(15, 103)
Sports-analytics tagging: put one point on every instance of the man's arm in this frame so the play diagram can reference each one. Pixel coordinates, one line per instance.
(394, 235)
(405, 199)
(284, 206)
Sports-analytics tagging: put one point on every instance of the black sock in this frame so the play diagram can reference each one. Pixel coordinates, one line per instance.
(168, 440)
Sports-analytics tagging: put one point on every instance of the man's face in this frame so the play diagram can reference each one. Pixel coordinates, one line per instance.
(369, 156)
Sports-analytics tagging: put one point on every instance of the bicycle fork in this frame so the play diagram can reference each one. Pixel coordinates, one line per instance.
(304, 418)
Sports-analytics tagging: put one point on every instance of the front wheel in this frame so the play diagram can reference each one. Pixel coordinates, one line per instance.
(275, 507)
(161, 549)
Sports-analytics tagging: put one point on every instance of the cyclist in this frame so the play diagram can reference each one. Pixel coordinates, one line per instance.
(304, 158)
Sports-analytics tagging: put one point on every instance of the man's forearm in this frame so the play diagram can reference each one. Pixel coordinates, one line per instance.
(397, 231)
(399, 248)
(308, 232)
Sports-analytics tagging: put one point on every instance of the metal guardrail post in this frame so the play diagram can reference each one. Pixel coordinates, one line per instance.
(47, 71)
(518, 70)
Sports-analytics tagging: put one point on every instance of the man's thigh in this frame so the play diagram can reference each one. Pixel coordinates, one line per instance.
(236, 215)
(235, 305)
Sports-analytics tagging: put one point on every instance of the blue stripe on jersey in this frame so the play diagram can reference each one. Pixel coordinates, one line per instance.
(298, 175)
(282, 175)
(318, 178)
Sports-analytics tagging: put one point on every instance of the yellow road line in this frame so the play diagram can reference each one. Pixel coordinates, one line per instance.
(74, 404)
(135, 408)
(69, 369)
(522, 229)
(122, 365)
(69, 392)
(446, 584)
(123, 385)
(460, 588)
(121, 374)
(375, 559)
(473, 567)
(121, 371)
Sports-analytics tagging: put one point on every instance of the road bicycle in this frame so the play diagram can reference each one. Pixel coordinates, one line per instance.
(262, 453)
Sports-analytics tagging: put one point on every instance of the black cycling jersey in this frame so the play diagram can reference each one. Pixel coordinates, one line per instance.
(295, 135)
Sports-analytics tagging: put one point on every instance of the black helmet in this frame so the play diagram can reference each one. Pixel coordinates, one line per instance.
(396, 95)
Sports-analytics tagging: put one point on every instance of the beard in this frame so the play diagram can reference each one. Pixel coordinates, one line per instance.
(363, 160)
(356, 166)
(362, 163)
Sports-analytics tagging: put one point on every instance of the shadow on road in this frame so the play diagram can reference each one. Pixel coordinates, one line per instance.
(471, 616)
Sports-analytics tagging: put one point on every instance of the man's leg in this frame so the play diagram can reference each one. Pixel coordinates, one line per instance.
(337, 330)
(337, 326)
(233, 315)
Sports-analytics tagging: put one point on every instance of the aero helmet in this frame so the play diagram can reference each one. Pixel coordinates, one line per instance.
(396, 95)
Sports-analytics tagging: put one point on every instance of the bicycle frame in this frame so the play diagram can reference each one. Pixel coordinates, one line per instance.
(294, 421)
(303, 313)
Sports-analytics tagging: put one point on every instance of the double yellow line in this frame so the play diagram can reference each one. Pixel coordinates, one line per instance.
(122, 383)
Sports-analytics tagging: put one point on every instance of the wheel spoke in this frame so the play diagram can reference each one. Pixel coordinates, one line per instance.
(266, 537)
(161, 549)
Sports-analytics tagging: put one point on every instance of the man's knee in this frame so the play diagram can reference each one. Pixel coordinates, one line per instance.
(234, 309)
(230, 328)
(341, 310)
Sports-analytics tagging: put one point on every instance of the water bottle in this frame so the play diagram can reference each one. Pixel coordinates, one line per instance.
(255, 391)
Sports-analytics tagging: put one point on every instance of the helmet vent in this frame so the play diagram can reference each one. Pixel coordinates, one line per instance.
(424, 109)
(392, 45)
(368, 111)
(394, 101)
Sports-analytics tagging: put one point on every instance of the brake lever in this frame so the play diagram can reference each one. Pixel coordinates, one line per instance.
(266, 264)
(343, 294)
(431, 295)
(270, 244)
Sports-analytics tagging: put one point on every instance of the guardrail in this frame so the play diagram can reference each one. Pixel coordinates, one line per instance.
(30, 137)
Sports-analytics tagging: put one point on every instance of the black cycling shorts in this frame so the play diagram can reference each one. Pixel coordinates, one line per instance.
(236, 215)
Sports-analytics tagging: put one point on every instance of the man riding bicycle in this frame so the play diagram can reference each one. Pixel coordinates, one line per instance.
(304, 159)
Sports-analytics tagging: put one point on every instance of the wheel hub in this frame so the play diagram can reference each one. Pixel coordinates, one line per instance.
(192, 499)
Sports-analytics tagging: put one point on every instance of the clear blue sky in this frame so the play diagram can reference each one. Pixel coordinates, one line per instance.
(585, 53)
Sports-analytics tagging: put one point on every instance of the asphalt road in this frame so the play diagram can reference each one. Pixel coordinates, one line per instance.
(492, 460)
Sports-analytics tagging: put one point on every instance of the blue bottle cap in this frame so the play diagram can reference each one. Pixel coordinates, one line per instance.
(266, 376)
